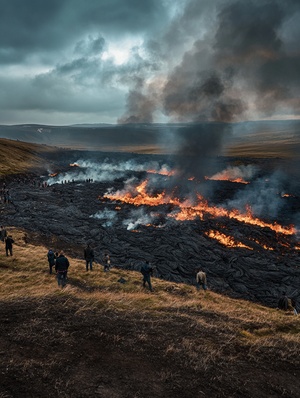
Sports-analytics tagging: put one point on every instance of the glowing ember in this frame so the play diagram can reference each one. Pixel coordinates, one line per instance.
(219, 177)
(262, 245)
(226, 240)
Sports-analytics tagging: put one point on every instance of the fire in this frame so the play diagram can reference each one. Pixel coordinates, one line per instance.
(226, 240)
(142, 198)
(74, 165)
(220, 177)
(163, 172)
(188, 211)
(53, 175)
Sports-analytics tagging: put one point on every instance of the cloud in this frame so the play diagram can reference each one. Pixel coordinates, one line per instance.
(133, 61)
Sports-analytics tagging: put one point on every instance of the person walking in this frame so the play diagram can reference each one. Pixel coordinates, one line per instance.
(106, 262)
(9, 245)
(201, 280)
(283, 302)
(89, 257)
(61, 267)
(3, 233)
(147, 272)
(51, 260)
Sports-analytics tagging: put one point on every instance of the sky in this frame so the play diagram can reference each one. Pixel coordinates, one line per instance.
(131, 61)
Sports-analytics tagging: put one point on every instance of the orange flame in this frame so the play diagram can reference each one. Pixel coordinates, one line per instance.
(226, 240)
(227, 178)
(163, 172)
(188, 211)
(74, 165)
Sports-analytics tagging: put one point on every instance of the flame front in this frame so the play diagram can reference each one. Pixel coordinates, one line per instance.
(226, 240)
(187, 211)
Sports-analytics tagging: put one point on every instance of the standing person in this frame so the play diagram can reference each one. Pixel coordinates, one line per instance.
(283, 302)
(147, 272)
(3, 233)
(201, 279)
(61, 267)
(89, 257)
(9, 245)
(106, 262)
(51, 260)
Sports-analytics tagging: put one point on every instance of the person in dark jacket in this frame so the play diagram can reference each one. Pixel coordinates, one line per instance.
(147, 272)
(51, 260)
(283, 302)
(9, 245)
(89, 257)
(3, 233)
(61, 267)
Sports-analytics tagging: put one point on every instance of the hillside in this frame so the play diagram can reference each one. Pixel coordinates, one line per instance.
(21, 157)
(101, 338)
(248, 139)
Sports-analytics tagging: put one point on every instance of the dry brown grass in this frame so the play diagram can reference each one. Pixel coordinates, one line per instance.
(25, 275)
(21, 157)
(203, 332)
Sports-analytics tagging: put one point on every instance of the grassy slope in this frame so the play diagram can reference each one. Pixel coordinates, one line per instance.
(98, 337)
(18, 157)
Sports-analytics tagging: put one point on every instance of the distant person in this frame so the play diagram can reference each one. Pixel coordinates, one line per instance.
(201, 280)
(147, 272)
(89, 257)
(61, 267)
(106, 262)
(283, 302)
(3, 233)
(51, 260)
(9, 245)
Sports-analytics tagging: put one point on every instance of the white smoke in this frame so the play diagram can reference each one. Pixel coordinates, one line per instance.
(262, 197)
(136, 218)
(105, 171)
(232, 173)
(109, 217)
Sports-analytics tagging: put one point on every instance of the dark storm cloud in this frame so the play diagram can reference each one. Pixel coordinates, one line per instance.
(34, 25)
(208, 60)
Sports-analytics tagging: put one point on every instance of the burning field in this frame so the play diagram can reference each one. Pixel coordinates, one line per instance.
(238, 219)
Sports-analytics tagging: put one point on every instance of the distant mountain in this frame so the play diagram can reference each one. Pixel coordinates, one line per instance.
(260, 138)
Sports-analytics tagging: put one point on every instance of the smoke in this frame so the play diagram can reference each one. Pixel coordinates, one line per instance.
(262, 196)
(109, 217)
(136, 218)
(242, 61)
(199, 145)
(105, 171)
(232, 173)
(140, 107)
